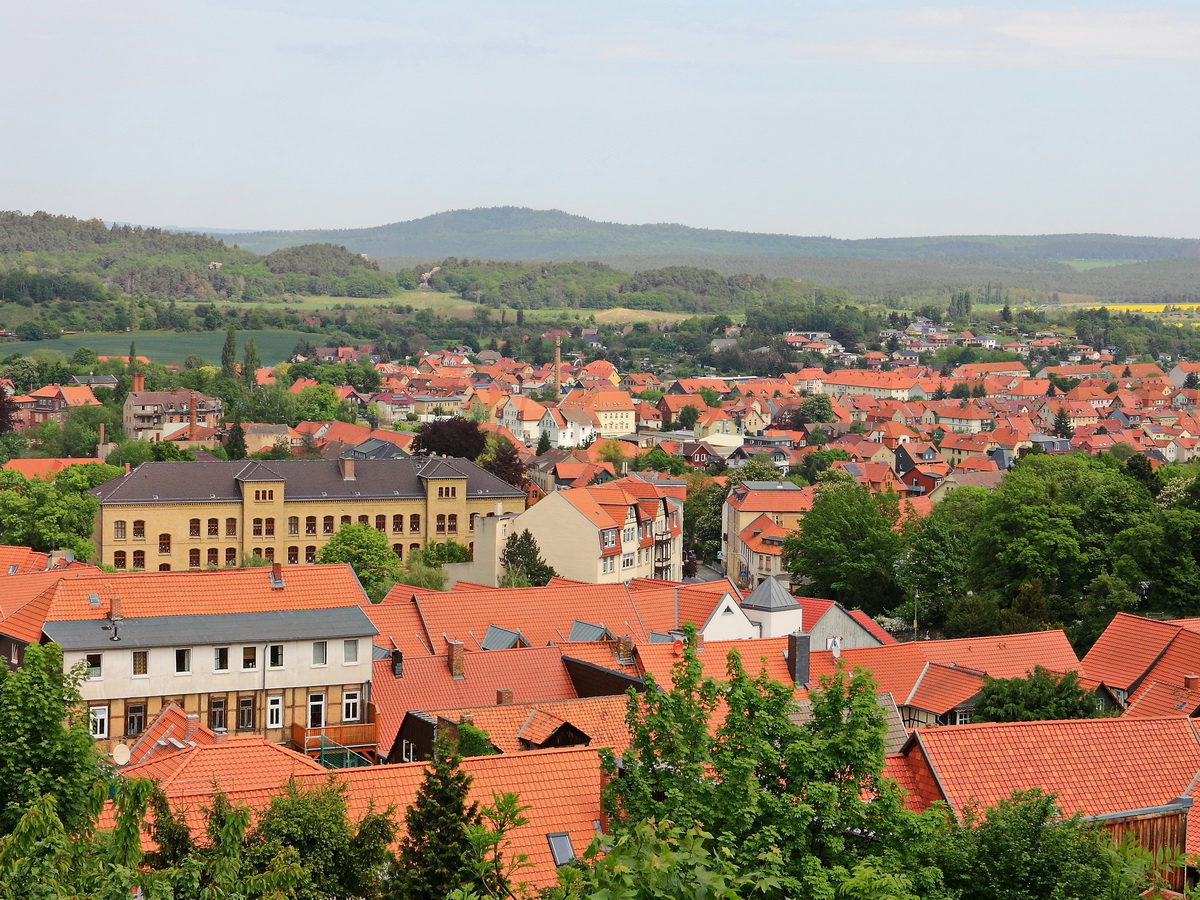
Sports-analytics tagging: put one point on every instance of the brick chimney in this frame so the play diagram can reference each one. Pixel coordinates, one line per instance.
(799, 647)
(346, 464)
(191, 723)
(1191, 682)
(625, 648)
(139, 381)
(100, 437)
(192, 412)
(276, 575)
(397, 663)
(115, 607)
(504, 697)
(456, 661)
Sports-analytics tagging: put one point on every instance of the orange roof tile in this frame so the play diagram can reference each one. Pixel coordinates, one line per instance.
(242, 762)
(1006, 656)
(1127, 649)
(1159, 699)
(602, 719)
(941, 688)
(44, 468)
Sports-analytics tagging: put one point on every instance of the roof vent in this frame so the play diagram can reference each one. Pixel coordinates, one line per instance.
(93, 599)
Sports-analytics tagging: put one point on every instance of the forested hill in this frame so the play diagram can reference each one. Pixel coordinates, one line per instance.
(44, 255)
(510, 232)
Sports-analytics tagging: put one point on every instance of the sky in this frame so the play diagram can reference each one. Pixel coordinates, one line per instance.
(849, 118)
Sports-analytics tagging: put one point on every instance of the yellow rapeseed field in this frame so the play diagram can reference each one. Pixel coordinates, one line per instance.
(1146, 307)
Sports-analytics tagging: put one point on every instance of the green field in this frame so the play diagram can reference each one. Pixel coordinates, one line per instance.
(169, 346)
(1086, 265)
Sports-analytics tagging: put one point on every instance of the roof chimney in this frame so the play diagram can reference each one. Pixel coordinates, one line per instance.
(625, 649)
(139, 381)
(192, 412)
(456, 661)
(100, 436)
(115, 607)
(397, 663)
(799, 647)
(347, 466)
(1191, 682)
(504, 697)
(127, 467)
(191, 723)
(276, 575)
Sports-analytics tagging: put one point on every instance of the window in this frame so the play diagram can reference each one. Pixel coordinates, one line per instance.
(194, 558)
(269, 553)
(139, 530)
(269, 527)
(193, 528)
(141, 662)
(139, 559)
(398, 522)
(441, 524)
(257, 552)
(183, 661)
(275, 712)
(327, 525)
(220, 659)
(452, 523)
(350, 652)
(98, 718)
(119, 560)
(407, 750)
(627, 534)
(346, 520)
(231, 528)
(293, 555)
(95, 664)
(381, 523)
(627, 561)
(610, 538)
(213, 528)
(350, 706)
(257, 528)
(231, 556)
(414, 522)
(245, 714)
(275, 656)
(963, 716)
(413, 548)
(216, 713)
(363, 520)
(249, 658)
(398, 549)
(316, 710)
(119, 529)
(310, 524)
(214, 556)
(164, 567)
(135, 719)
(560, 848)
(293, 524)
(471, 521)
(320, 654)
(310, 554)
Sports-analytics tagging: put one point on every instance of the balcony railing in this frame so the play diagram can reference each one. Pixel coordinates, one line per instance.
(361, 734)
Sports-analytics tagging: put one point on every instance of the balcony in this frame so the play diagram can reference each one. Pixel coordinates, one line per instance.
(360, 736)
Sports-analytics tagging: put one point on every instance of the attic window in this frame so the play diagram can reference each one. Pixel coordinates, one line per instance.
(560, 848)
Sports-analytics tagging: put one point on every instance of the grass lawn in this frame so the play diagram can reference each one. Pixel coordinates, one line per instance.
(169, 346)
(1086, 265)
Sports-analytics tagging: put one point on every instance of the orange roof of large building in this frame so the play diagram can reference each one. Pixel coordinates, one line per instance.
(514, 727)
(47, 468)
(240, 762)
(1126, 650)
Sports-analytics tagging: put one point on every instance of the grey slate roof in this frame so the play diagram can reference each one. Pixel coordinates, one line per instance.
(769, 595)
(586, 631)
(497, 638)
(222, 628)
(306, 479)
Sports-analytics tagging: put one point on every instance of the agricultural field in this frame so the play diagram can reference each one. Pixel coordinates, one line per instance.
(1150, 308)
(1086, 265)
(168, 347)
(447, 304)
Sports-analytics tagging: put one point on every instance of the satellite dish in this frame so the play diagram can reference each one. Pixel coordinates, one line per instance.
(120, 754)
(677, 648)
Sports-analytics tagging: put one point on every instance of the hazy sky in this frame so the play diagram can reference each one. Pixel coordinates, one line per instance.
(853, 118)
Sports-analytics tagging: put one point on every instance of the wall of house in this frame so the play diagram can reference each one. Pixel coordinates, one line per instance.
(728, 623)
(836, 622)
(777, 622)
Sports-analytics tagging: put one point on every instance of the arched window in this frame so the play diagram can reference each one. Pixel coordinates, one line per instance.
(293, 555)
(139, 559)
(257, 528)
(269, 527)
(214, 556)
(257, 551)
(194, 558)
(398, 549)
(293, 524)
(164, 567)
(398, 522)
(310, 524)
(471, 521)
(364, 520)
(269, 553)
(164, 543)
(310, 554)
(452, 523)
(231, 556)
(346, 520)
(120, 561)
(414, 522)
(119, 529)
(214, 528)
(441, 524)
(327, 525)
(139, 530)
(231, 528)
(413, 548)
(193, 528)
(381, 523)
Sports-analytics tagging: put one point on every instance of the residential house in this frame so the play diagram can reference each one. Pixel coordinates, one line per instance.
(156, 415)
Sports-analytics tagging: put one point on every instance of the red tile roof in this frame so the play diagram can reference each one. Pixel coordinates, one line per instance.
(1159, 699)
(872, 626)
(1127, 649)
(239, 763)
(941, 688)
(1006, 656)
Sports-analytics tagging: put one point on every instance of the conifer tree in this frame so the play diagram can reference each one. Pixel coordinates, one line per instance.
(229, 355)
(543, 444)
(434, 856)
(250, 362)
(522, 561)
(235, 444)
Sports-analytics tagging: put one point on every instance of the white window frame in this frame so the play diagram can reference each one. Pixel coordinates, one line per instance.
(627, 561)
(350, 652)
(323, 651)
(96, 672)
(270, 652)
(98, 721)
(253, 659)
(963, 716)
(217, 667)
(610, 537)
(275, 711)
(351, 703)
(187, 658)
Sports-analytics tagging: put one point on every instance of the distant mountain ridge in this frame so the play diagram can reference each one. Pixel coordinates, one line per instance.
(511, 232)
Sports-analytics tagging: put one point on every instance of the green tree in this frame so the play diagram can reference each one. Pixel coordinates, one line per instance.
(503, 460)
(847, 545)
(543, 444)
(235, 444)
(456, 436)
(250, 365)
(1041, 694)
(48, 749)
(522, 561)
(1062, 424)
(434, 855)
(318, 403)
(368, 553)
(687, 417)
(813, 464)
(815, 409)
(229, 355)
(759, 467)
(51, 515)
(710, 397)
(440, 553)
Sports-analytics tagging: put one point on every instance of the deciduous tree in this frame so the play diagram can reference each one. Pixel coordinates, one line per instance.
(367, 551)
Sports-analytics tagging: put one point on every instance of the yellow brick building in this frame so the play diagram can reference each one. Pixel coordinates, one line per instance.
(169, 516)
